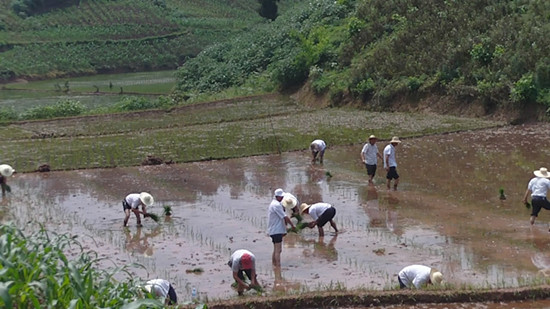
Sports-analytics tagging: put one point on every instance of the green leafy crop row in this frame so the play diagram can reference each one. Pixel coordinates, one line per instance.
(36, 272)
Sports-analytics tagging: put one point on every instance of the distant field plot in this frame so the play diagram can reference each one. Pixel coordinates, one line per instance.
(92, 91)
(213, 130)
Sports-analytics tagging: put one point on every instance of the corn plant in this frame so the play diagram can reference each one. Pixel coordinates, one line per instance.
(35, 272)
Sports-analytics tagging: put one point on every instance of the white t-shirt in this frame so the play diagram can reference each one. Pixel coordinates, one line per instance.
(417, 275)
(389, 150)
(370, 151)
(318, 145)
(158, 287)
(275, 218)
(236, 259)
(133, 200)
(539, 186)
(317, 209)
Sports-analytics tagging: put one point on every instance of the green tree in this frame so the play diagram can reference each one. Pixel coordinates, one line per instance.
(268, 9)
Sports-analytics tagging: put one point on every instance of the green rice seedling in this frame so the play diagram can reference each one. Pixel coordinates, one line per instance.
(501, 193)
(299, 226)
(167, 210)
(298, 217)
(153, 216)
(197, 270)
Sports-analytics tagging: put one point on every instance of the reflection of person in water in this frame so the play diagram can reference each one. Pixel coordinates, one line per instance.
(323, 250)
(138, 243)
(281, 284)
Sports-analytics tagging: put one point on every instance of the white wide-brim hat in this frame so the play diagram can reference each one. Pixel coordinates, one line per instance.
(373, 137)
(436, 277)
(289, 202)
(6, 170)
(542, 172)
(146, 198)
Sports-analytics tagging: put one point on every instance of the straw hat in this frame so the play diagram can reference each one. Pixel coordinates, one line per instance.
(6, 170)
(289, 202)
(146, 198)
(372, 137)
(303, 207)
(435, 276)
(279, 192)
(542, 172)
(395, 139)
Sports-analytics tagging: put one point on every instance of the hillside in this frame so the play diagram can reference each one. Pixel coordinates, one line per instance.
(491, 54)
(92, 37)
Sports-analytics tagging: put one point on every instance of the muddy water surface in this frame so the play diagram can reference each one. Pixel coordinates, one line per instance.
(446, 214)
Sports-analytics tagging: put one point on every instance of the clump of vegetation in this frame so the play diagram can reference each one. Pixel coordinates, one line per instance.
(167, 209)
(298, 227)
(197, 270)
(36, 273)
(487, 51)
(63, 108)
(153, 216)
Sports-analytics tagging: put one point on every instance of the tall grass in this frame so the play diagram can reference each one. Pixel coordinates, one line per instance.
(36, 272)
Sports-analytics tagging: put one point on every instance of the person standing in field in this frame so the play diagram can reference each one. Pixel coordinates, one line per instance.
(369, 156)
(161, 288)
(321, 214)
(276, 226)
(132, 202)
(243, 262)
(390, 163)
(317, 147)
(538, 187)
(418, 276)
(5, 172)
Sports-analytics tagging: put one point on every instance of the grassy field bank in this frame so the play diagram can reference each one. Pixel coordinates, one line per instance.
(215, 130)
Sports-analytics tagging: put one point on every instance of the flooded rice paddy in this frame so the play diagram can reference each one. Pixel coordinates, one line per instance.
(447, 213)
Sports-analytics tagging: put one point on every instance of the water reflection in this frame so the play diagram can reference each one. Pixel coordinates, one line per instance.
(321, 249)
(447, 213)
(138, 242)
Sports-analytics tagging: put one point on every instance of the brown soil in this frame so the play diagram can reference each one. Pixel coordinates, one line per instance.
(381, 298)
(437, 104)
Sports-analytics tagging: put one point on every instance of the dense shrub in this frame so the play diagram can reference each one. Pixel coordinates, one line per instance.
(8, 114)
(64, 108)
(134, 103)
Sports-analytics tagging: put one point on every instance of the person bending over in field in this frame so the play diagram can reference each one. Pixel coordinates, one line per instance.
(321, 213)
(243, 262)
(132, 202)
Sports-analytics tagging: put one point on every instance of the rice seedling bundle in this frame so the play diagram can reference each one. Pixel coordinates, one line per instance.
(153, 216)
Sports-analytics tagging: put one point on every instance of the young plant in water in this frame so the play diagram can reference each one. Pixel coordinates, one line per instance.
(501, 191)
(153, 216)
(167, 210)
